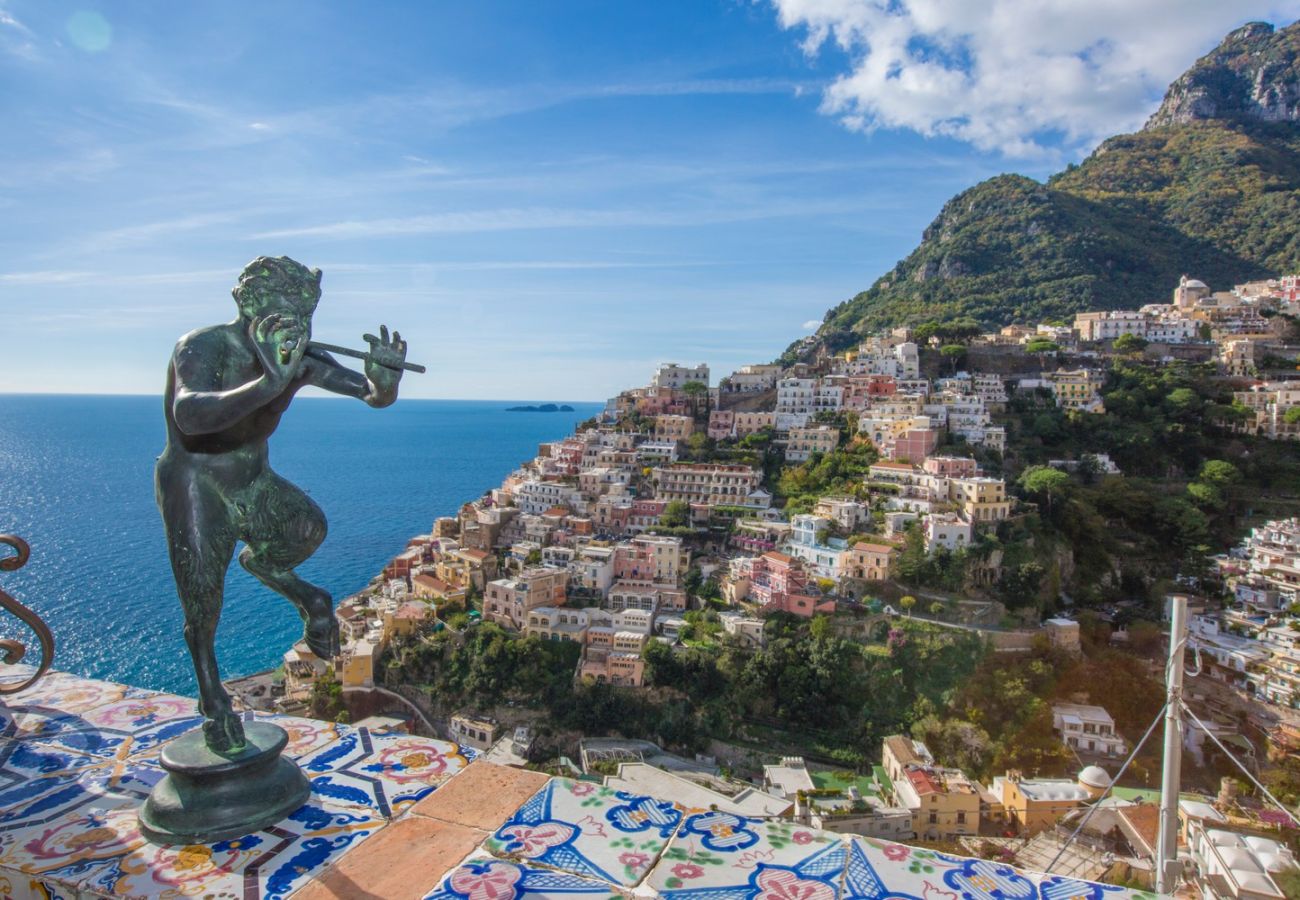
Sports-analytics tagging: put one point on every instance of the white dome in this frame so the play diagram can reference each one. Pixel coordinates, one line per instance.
(1194, 283)
(1094, 776)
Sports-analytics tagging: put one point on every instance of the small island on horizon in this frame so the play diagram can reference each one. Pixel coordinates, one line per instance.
(544, 408)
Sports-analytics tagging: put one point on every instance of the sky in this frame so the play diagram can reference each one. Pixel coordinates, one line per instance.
(546, 199)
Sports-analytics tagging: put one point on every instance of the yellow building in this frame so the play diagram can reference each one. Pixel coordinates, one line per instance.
(357, 665)
(1032, 805)
(1079, 389)
(981, 499)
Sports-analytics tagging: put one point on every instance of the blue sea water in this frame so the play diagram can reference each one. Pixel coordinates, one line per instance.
(76, 480)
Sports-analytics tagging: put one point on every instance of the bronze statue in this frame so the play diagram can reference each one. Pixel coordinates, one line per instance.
(227, 387)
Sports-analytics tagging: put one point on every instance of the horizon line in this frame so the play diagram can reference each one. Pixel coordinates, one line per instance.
(158, 395)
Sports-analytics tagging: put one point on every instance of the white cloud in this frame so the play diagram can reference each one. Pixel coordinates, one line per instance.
(812, 324)
(17, 38)
(1012, 76)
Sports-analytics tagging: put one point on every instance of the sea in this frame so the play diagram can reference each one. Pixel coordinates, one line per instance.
(76, 481)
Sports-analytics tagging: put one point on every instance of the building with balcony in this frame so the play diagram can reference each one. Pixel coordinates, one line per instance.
(508, 601)
(1088, 730)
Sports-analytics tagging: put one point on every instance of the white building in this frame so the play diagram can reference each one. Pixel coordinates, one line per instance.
(673, 376)
(1088, 730)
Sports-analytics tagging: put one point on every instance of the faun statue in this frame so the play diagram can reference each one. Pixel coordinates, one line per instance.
(227, 387)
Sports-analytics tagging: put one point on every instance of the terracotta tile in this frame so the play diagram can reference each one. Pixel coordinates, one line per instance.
(482, 796)
(406, 859)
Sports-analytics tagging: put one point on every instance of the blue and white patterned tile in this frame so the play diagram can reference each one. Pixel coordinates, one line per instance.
(125, 727)
(1058, 887)
(588, 830)
(486, 878)
(31, 809)
(879, 869)
(305, 735)
(266, 865)
(383, 772)
(728, 857)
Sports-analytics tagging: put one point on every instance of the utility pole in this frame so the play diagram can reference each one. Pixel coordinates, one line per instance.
(1167, 868)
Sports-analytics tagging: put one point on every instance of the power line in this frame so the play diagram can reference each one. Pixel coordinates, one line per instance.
(1106, 793)
(1240, 765)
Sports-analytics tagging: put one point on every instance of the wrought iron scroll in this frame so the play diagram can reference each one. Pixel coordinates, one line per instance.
(12, 651)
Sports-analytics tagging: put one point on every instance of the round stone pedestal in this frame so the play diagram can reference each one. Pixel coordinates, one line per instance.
(208, 796)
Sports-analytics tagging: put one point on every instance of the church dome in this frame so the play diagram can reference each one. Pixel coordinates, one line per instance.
(1094, 777)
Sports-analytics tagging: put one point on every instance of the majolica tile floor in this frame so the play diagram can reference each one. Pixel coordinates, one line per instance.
(396, 816)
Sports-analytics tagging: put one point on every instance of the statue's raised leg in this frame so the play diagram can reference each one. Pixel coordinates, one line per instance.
(284, 530)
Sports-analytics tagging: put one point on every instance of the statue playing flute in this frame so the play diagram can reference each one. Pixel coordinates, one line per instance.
(227, 387)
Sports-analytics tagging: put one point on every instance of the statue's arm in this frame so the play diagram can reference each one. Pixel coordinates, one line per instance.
(325, 372)
(200, 406)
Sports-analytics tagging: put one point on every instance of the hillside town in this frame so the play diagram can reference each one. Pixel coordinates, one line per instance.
(613, 538)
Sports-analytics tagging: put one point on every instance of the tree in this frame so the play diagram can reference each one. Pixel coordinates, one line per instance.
(1042, 345)
(953, 353)
(907, 603)
(677, 514)
(1292, 415)
(694, 390)
(936, 609)
(1045, 482)
(1130, 343)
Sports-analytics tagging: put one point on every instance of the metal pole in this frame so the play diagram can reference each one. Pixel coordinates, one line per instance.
(1167, 849)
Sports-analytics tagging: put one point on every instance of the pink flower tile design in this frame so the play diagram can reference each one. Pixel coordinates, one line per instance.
(717, 854)
(588, 830)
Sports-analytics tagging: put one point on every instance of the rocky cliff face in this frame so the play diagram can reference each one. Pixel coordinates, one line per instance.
(1251, 76)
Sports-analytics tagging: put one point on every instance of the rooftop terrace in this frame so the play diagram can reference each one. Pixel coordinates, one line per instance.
(396, 816)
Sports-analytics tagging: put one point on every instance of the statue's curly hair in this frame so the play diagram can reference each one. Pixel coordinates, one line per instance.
(278, 276)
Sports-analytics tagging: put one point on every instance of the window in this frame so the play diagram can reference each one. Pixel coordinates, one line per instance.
(934, 817)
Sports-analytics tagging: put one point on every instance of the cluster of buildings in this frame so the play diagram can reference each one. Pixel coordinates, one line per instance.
(910, 797)
(1252, 644)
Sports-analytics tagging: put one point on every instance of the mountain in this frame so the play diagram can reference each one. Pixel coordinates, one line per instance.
(1210, 186)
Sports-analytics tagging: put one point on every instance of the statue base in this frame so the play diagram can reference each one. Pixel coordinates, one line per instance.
(208, 796)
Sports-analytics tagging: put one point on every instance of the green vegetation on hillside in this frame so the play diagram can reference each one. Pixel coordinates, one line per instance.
(1208, 188)
(834, 697)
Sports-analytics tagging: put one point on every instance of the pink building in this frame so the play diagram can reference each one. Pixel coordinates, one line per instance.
(646, 513)
(914, 445)
(951, 466)
(860, 390)
(507, 601)
(721, 424)
(649, 558)
(777, 583)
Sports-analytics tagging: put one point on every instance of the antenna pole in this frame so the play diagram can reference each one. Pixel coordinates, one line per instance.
(1167, 868)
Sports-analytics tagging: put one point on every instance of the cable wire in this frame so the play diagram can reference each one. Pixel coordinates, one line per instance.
(1240, 764)
(1109, 788)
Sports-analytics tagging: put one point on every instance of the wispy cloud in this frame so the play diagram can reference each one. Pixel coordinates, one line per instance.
(547, 218)
(118, 279)
(16, 38)
(148, 231)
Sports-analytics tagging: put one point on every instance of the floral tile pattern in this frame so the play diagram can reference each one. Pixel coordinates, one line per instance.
(877, 869)
(381, 771)
(305, 735)
(589, 831)
(497, 879)
(722, 855)
(273, 862)
(78, 757)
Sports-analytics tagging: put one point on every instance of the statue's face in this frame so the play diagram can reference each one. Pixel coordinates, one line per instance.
(297, 309)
